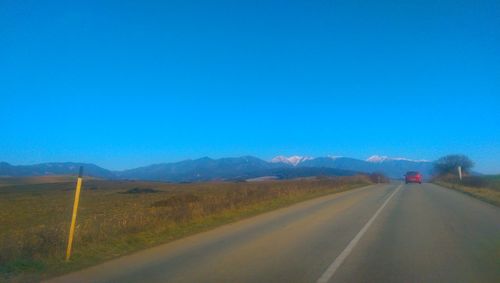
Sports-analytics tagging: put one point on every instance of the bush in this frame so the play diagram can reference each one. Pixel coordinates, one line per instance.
(378, 178)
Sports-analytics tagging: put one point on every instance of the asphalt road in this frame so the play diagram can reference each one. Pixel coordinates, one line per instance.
(382, 233)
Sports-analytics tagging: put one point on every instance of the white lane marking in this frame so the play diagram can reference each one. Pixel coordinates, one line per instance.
(328, 274)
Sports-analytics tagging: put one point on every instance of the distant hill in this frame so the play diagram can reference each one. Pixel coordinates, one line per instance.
(343, 163)
(202, 169)
(233, 168)
(49, 169)
(302, 172)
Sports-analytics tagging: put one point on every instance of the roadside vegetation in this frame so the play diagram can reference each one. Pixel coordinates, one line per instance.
(485, 187)
(119, 217)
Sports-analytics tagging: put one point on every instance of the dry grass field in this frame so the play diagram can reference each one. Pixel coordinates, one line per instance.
(12, 181)
(119, 217)
(486, 188)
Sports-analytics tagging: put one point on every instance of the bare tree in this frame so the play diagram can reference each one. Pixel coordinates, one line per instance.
(448, 164)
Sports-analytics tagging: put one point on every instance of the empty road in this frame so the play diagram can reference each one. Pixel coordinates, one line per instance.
(381, 233)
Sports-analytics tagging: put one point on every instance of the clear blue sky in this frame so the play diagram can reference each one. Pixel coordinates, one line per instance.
(129, 83)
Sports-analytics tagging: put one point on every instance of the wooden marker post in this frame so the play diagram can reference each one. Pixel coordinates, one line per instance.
(75, 209)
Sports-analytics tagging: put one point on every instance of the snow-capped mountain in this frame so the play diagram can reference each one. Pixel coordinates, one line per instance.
(390, 166)
(377, 158)
(207, 169)
(382, 158)
(292, 160)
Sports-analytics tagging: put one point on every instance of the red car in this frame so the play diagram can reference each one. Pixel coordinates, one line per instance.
(413, 177)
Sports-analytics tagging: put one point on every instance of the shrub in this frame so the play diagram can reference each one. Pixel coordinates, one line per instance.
(378, 178)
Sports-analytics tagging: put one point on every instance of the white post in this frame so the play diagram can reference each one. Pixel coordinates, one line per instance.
(460, 172)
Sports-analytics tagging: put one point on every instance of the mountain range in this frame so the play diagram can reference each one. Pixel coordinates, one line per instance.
(233, 168)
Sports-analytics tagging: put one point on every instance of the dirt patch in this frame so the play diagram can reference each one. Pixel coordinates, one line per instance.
(141, 191)
(176, 200)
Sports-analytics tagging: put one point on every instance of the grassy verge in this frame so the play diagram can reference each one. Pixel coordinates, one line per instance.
(486, 188)
(117, 218)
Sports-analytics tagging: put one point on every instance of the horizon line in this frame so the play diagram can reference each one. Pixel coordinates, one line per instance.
(383, 158)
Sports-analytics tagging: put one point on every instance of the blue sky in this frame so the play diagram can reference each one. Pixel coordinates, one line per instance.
(129, 83)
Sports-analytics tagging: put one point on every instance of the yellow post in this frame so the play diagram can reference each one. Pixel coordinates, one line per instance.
(73, 218)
